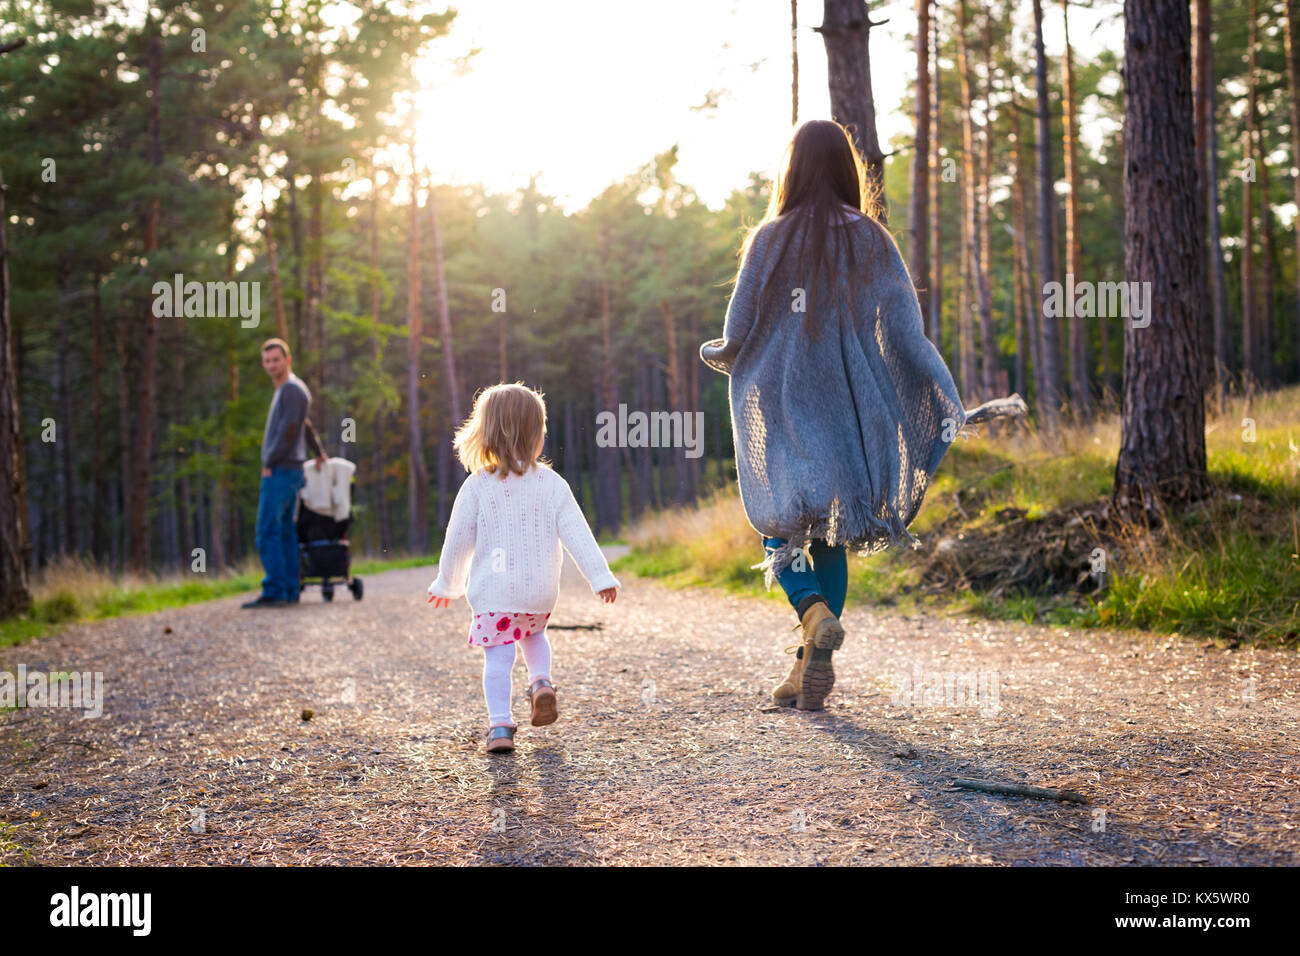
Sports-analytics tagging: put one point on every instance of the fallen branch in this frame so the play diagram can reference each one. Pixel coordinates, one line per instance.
(1020, 790)
(1011, 407)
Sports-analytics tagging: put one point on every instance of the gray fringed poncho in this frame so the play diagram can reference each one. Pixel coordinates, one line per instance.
(836, 437)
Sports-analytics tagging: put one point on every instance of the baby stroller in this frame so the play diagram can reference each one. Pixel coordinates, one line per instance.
(324, 516)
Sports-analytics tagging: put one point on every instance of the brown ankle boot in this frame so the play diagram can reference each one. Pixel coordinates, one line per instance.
(787, 692)
(823, 635)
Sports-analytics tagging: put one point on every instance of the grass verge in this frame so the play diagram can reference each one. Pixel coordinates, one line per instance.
(1016, 527)
(74, 590)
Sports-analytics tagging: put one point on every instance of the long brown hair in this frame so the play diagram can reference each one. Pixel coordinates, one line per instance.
(821, 173)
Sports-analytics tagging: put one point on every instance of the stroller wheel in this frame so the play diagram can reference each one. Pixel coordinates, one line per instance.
(327, 592)
(356, 588)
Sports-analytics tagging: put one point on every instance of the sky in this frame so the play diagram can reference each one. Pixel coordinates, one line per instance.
(583, 92)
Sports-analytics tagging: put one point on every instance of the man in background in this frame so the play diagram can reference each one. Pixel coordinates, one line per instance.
(285, 441)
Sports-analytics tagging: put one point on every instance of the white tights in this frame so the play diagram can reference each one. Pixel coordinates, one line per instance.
(497, 664)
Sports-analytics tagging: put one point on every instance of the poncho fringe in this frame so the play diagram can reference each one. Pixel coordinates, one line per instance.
(882, 532)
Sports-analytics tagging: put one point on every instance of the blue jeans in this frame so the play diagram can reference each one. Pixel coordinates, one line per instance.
(277, 537)
(829, 576)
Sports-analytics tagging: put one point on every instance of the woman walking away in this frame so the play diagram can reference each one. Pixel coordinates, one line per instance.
(841, 407)
(504, 535)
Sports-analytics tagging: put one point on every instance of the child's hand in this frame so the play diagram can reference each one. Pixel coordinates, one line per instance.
(608, 595)
(439, 601)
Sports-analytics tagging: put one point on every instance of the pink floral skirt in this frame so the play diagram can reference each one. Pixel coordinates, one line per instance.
(504, 627)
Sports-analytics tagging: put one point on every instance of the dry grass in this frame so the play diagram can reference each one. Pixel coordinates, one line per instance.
(94, 583)
(1011, 521)
(711, 532)
(73, 588)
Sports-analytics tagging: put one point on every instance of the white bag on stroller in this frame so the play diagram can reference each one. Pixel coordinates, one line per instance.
(328, 490)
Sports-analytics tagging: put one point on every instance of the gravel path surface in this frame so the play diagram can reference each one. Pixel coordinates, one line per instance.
(667, 750)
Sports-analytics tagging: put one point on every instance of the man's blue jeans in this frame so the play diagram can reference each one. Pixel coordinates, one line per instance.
(828, 576)
(277, 537)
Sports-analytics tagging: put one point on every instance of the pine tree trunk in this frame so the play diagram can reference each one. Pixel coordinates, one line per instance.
(1018, 326)
(1032, 301)
(1218, 281)
(608, 496)
(1249, 306)
(963, 326)
(382, 516)
(1050, 401)
(501, 347)
(691, 359)
(935, 313)
(181, 486)
(1079, 390)
(314, 334)
(1249, 338)
(1293, 87)
(123, 339)
(993, 387)
(97, 490)
(216, 529)
(315, 315)
(1106, 386)
(227, 514)
(273, 262)
(417, 476)
(67, 437)
(658, 399)
(146, 397)
(295, 234)
(794, 62)
(1269, 262)
(1019, 299)
(1202, 83)
(1162, 432)
(846, 29)
(444, 483)
(643, 398)
(673, 369)
(444, 314)
(919, 257)
(969, 181)
(15, 548)
(570, 462)
(676, 400)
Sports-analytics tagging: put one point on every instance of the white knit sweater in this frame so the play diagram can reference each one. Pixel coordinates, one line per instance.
(505, 534)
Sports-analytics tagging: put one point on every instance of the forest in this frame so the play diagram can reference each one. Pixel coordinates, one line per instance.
(269, 144)
(1002, 572)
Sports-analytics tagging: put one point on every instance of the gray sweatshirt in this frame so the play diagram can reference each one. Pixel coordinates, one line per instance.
(284, 443)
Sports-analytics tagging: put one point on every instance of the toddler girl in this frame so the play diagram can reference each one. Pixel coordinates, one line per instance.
(510, 517)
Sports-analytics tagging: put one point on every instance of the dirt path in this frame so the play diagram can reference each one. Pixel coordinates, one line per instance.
(666, 750)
